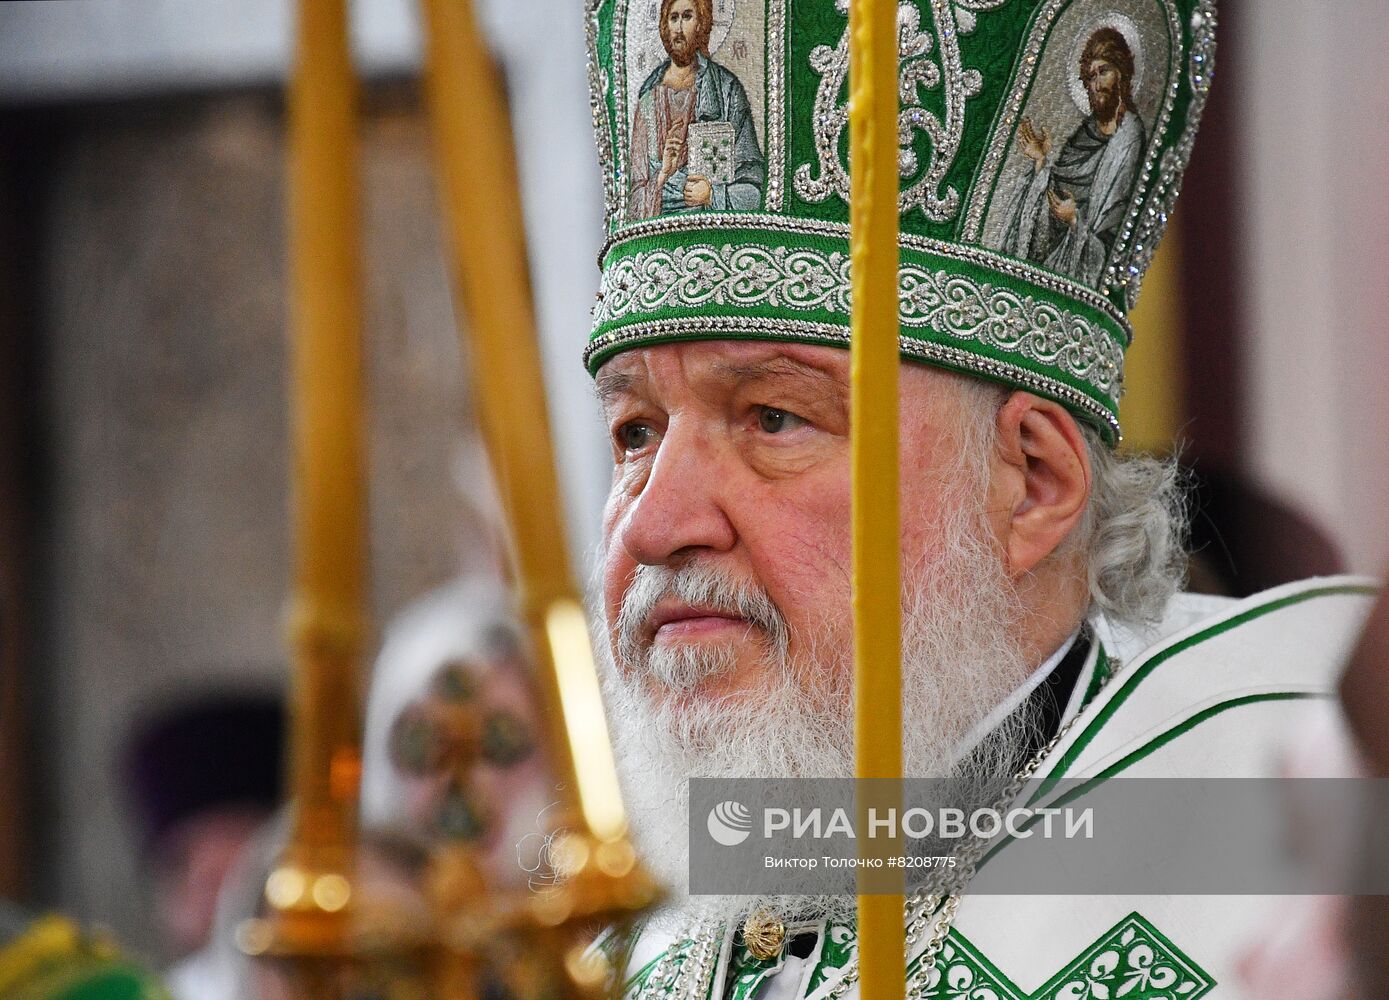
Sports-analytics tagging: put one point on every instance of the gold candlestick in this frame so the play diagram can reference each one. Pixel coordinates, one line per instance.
(310, 891)
(491, 277)
(483, 212)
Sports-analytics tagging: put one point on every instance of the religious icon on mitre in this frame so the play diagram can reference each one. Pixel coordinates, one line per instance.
(695, 142)
(1082, 144)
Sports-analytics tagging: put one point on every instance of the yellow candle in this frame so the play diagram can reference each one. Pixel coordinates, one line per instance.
(327, 616)
(876, 545)
(483, 213)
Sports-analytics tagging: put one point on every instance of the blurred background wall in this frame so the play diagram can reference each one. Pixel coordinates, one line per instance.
(164, 406)
(146, 469)
(142, 414)
(1314, 259)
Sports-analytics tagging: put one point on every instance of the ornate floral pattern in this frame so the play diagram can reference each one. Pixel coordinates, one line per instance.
(918, 70)
(1134, 962)
(689, 277)
(1003, 319)
(1131, 961)
(696, 276)
(958, 975)
(780, 271)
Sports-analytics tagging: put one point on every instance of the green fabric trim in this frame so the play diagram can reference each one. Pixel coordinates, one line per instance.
(776, 238)
(1146, 668)
(1156, 743)
(639, 978)
(615, 943)
(1168, 735)
(833, 954)
(975, 364)
(969, 965)
(1131, 974)
(977, 76)
(681, 949)
(996, 314)
(1143, 671)
(1103, 670)
(750, 974)
(1140, 963)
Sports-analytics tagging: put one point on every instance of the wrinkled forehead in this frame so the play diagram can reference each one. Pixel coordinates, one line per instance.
(715, 364)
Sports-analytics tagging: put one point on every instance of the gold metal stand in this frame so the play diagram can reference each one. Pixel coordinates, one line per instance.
(533, 944)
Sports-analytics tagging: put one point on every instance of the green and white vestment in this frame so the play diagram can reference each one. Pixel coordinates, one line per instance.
(1219, 693)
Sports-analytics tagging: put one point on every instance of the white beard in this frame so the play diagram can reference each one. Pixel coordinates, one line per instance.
(961, 658)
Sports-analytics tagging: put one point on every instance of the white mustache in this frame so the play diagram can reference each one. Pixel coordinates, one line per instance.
(699, 585)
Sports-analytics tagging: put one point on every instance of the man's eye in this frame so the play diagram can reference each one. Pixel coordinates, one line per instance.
(774, 421)
(634, 437)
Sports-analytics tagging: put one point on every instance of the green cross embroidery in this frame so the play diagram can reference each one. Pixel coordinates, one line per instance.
(1131, 961)
(715, 154)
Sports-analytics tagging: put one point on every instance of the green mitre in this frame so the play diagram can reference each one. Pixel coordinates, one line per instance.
(51, 959)
(1042, 144)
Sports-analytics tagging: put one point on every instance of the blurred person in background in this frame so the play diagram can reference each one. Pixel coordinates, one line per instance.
(452, 750)
(51, 958)
(203, 776)
(452, 755)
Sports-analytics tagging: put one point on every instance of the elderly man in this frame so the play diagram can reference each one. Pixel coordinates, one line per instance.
(1043, 629)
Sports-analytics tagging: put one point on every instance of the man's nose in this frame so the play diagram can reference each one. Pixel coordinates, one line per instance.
(681, 508)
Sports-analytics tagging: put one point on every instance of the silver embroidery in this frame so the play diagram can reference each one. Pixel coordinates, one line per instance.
(1121, 271)
(749, 275)
(829, 120)
(714, 226)
(999, 317)
(917, 70)
(690, 277)
(783, 328)
(776, 104)
(598, 90)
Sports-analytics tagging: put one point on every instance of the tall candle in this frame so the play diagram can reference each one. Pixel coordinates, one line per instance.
(876, 545)
(311, 888)
(483, 216)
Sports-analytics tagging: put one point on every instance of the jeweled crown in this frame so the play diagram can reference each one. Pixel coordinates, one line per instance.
(1042, 144)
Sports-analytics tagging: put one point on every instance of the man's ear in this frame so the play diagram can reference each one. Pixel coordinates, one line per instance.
(1041, 479)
